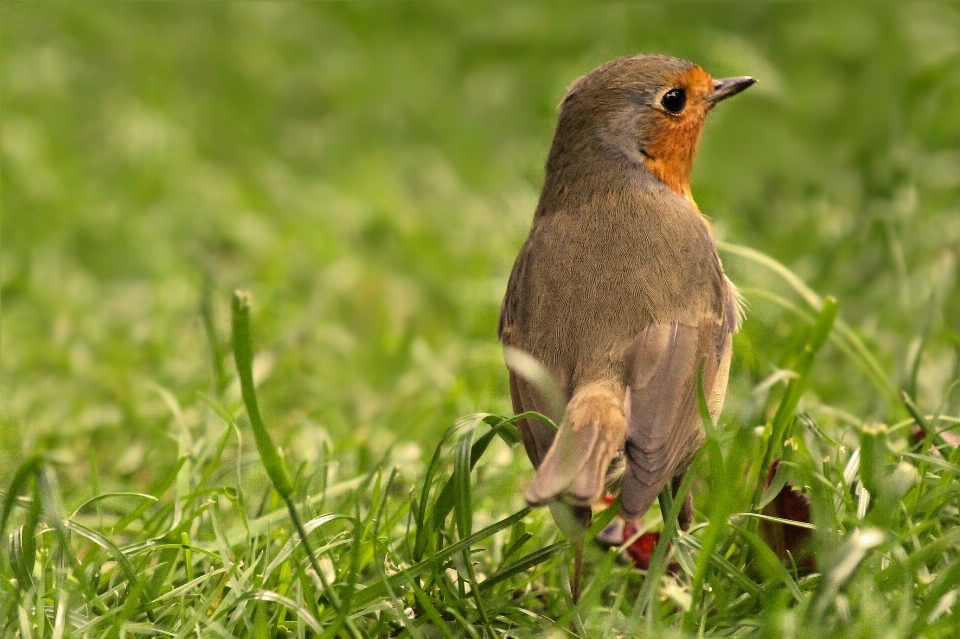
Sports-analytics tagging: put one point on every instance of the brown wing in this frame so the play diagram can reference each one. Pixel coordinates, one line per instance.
(537, 436)
(664, 427)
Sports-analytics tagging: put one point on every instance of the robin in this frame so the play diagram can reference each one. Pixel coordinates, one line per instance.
(617, 303)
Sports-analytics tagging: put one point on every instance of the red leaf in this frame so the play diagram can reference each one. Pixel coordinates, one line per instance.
(641, 550)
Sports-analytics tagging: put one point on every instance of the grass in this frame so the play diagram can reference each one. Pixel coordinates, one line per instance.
(367, 171)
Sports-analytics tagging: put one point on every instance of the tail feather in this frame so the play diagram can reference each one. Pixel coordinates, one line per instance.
(592, 433)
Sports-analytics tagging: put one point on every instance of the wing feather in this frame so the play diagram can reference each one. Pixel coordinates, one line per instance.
(664, 427)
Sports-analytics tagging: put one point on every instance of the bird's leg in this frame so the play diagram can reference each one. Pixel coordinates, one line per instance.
(685, 517)
(577, 567)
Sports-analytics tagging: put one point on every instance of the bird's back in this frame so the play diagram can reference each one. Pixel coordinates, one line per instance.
(596, 271)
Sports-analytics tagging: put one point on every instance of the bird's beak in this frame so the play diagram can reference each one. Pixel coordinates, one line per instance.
(723, 89)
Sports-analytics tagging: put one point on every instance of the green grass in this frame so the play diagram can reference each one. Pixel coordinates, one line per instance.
(368, 171)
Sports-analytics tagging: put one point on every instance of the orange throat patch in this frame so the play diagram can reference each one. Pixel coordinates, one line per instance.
(673, 144)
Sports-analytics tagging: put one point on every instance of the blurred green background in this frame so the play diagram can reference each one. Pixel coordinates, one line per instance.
(369, 170)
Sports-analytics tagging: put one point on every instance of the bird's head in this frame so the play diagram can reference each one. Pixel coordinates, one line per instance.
(643, 109)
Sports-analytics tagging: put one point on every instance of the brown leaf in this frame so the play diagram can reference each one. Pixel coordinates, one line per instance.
(788, 541)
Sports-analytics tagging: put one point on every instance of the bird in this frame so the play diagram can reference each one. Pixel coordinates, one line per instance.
(617, 304)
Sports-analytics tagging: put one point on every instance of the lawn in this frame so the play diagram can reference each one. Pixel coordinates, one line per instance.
(367, 171)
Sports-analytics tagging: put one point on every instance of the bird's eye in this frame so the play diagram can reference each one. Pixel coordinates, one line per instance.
(674, 100)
